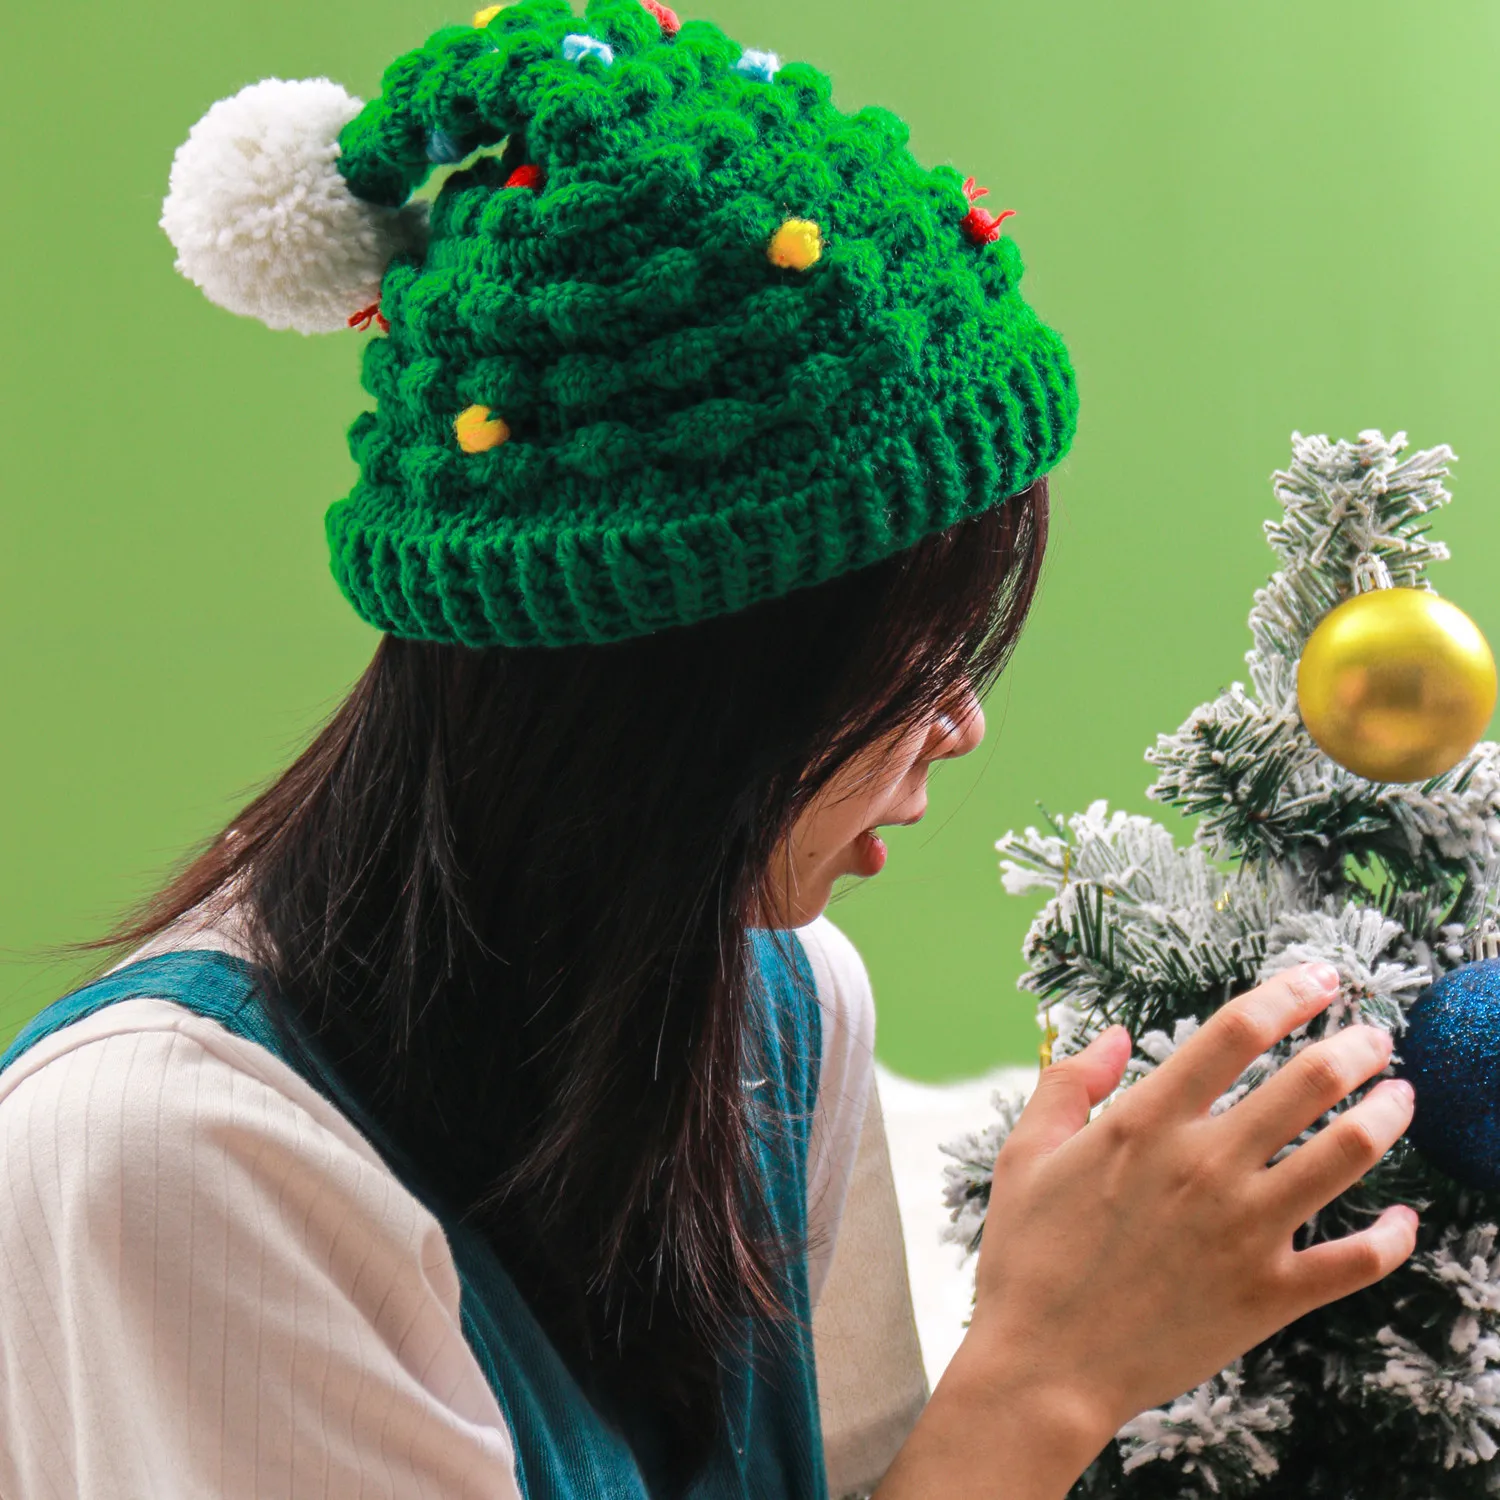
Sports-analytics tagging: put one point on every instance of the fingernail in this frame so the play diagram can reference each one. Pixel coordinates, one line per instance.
(1399, 1088)
(1319, 979)
(1404, 1210)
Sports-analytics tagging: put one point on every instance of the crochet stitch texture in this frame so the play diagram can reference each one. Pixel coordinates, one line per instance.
(692, 428)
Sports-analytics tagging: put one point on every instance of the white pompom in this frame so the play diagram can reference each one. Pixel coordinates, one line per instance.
(263, 221)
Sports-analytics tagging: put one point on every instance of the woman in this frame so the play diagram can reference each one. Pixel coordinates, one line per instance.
(474, 1115)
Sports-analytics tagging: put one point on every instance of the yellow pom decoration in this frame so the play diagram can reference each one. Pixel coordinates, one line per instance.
(488, 14)
(796, 245)
(1396, 684)
(477, 430)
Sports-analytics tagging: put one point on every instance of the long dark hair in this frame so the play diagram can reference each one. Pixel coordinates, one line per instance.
(508, 892)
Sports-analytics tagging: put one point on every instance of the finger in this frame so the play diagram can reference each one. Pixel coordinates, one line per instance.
(1338, 1156)
(1068, 1090)
(1303, 1091)
(1235, 1035)
(1323, 1273)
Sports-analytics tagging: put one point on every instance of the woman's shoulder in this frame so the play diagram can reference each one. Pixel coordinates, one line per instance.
(188, 1204)
(174, 1052)
(162, 1037)
(146, 1093)
(846, 1078)
(843, 981)
(148, 1087)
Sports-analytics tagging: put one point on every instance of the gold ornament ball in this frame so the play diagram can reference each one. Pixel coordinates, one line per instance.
(1396, 685)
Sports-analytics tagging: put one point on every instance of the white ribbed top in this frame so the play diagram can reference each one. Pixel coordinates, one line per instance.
(211, 1285)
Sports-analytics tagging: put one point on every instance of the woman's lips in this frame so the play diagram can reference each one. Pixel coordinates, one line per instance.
(870, 851)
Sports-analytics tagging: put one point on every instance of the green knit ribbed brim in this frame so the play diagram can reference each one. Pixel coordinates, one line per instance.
(692, 428)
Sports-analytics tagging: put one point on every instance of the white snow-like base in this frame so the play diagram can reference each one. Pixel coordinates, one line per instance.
(919, 1118)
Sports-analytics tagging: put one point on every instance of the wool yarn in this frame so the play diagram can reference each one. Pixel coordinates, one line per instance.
(262, 219)
(681, 335)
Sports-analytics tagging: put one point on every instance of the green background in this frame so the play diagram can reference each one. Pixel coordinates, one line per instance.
(1245, 220)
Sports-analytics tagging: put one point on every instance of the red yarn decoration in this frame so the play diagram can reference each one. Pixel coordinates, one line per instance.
(367, 315)
(664, 14)
(979, 224)
(529, 176)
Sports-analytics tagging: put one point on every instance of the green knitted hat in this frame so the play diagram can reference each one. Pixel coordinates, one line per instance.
(682, 337)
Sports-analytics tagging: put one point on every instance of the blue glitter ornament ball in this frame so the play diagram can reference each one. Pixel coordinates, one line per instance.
(1450, 1053)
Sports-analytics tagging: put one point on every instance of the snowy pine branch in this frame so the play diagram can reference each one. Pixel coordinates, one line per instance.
(1357, 940)
(1138, 927)
(1354, 517)
(1216, 1433)
(1264, 792)
(1458, 1391)
(966, 1183)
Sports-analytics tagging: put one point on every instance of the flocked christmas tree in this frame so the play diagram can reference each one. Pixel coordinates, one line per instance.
(1394, 1392)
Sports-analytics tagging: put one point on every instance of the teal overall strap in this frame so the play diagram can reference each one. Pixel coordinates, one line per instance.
(222, 988)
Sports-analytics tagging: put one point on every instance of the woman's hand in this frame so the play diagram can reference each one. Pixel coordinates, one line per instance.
(1125, 1263)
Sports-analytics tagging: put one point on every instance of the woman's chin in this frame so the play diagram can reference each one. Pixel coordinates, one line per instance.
(863, 856)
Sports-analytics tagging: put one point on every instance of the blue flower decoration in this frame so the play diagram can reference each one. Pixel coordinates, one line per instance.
(576, 45)
(761, 65)
(442, 148)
